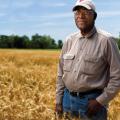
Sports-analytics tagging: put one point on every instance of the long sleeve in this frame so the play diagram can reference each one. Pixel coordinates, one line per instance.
(59, 84)
(113, 59)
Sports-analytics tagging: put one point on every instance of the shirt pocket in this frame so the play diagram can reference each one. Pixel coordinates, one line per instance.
(68, 61)
(91, 64)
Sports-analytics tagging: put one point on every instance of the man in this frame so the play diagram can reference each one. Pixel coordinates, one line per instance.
(89, 68)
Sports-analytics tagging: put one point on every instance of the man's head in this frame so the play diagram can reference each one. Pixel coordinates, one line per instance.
(85, 14)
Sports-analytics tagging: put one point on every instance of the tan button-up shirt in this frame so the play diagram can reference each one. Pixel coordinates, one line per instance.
(90, 62)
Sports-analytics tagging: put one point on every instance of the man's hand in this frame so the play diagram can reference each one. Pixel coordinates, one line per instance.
(93, 107)
(58, 110)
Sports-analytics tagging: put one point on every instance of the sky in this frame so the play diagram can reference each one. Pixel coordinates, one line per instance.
(53, 17)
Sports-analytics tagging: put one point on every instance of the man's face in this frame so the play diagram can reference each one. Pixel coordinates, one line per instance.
(84, 18)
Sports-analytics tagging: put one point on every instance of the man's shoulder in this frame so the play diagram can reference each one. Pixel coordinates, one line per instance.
(104, 33)
(105, 36)
(72, 36)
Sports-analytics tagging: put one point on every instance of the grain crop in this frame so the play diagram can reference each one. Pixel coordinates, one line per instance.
(27, 85)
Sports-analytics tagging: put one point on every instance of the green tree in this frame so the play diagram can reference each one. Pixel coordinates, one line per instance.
(18, 42)
(37, 41)
(43, 42)
(26, 42)
(4, 41)
(118, 42)
(60, 44)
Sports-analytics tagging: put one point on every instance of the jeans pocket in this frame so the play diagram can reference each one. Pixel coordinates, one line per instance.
(66, 101)
(100, 115)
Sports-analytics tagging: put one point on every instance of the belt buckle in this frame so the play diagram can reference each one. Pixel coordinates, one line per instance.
(81, 95)
(78, 94)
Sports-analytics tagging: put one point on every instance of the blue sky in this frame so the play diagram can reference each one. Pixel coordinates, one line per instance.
(53, 17)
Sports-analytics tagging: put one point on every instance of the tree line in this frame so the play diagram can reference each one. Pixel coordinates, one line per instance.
(24, 42)
(36, 42)
(118, 42)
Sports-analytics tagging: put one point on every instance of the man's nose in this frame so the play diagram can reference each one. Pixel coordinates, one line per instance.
(81, 15)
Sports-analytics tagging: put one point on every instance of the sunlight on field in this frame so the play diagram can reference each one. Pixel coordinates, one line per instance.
(27, 85)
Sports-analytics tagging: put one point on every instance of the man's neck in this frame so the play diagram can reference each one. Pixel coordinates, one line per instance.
(86, 31)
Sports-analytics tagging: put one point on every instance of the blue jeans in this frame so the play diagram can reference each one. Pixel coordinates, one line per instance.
(77, 106)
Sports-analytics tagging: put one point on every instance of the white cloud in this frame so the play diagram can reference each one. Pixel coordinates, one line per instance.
(44, 24)
(23, 19)
(109, 13)
(2, 14)
(45, 19)
(22, 4)
(53, 4)
(4, 3)
(58, 15)
(48, 24)
(108, 3)
(4, 6)
(7, 31)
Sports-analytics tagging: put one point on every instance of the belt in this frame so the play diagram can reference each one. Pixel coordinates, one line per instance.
(98, 91)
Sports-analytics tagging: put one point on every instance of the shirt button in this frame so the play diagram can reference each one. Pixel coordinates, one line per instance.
(74, 70)
(75, 79)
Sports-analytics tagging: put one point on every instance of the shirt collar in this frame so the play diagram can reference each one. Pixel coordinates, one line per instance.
(92, 32)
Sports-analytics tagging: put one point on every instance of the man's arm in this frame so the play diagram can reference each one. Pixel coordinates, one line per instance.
(59, 84)
(112, 56)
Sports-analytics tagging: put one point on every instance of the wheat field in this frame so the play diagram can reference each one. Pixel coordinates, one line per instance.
(27, 85)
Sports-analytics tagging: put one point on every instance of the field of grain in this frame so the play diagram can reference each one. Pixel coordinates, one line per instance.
(27, 85)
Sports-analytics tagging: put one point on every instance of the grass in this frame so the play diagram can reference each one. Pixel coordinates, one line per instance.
(27, 85)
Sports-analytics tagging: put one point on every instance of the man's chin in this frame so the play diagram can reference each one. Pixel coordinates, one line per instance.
(82, 28)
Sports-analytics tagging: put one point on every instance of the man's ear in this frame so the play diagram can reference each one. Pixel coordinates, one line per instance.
(95, 15)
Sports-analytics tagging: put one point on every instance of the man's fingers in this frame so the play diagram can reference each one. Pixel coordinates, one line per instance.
(90, 112)
(59, 109)
(93, 107)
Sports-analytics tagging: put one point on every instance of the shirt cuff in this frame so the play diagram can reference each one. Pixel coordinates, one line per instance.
(103, 99)
(59, 100)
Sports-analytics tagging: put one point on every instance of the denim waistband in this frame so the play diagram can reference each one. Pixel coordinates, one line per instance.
(98, 91)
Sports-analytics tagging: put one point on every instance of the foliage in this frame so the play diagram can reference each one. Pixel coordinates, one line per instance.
(60, 43)
(37, 42)
(118, 42)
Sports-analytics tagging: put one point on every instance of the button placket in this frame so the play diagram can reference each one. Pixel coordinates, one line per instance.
(80, 54)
